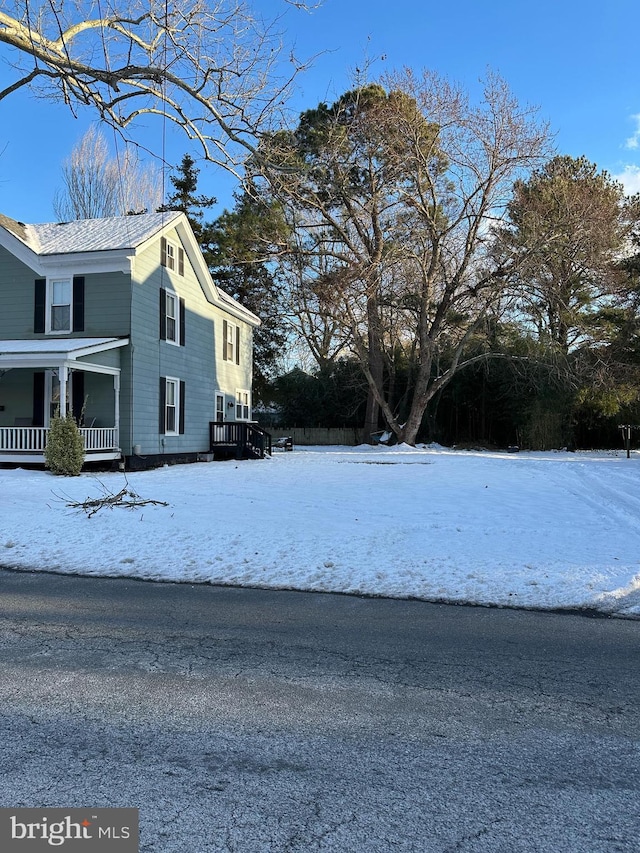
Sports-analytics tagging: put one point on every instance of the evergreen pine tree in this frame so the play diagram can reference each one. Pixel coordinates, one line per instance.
(184, 197)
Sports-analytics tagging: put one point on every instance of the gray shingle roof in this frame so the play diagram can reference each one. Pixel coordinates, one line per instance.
(92, 235)
(17, 228)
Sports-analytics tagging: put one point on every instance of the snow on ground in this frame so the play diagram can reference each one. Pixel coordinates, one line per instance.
(540, 530)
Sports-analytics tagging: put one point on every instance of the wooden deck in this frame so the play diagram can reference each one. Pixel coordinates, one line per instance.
(239, 440)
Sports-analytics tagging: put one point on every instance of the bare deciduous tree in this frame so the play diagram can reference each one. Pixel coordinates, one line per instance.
(97, 185)
(400, 186)
(207, 66)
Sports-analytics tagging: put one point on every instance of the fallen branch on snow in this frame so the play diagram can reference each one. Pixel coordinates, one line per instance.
(126, 497)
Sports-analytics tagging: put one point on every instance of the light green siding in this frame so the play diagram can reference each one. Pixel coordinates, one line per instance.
(107, 304)
(123, 305)
(199, 364)
(99, 390)
(17, 291)
(16, 396)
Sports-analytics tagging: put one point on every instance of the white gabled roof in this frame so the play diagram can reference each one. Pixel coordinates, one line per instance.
(96, 235)
(103, 245)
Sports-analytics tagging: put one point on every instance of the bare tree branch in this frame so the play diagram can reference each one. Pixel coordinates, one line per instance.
(207, 66)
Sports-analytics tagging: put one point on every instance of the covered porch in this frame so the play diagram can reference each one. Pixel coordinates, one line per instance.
(42, 378)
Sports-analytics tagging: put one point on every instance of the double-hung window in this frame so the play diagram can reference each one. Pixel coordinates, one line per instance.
(60, 305)
(172, 406)
(172, 317)
(171, 256)
(242, 405)
(230, 342)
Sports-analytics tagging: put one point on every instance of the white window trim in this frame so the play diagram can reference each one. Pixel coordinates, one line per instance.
(170, 296)
(232, 342)
(49, 305)
(176, 405)
(241, 405)
(219, 396)
(174, 257)
(171, 256)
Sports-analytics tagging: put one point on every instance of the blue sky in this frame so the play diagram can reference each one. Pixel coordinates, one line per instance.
(577, 61)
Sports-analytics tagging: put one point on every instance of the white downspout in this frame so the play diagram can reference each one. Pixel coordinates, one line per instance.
(116, 393)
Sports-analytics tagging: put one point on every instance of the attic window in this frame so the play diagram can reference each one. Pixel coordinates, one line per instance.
(171, 256)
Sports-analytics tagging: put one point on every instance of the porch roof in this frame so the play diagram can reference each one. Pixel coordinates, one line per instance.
(17, 353)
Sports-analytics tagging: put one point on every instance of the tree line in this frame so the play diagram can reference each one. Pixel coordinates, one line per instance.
(438, 271)
(423, 262)
(460, 286)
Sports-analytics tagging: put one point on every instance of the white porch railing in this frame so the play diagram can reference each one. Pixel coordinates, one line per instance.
(34, 439)
(99, 438)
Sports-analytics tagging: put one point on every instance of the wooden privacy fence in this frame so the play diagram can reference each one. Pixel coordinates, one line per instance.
(318, 435)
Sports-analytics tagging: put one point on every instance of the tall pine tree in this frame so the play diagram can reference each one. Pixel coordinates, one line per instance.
(185, 198)
(236, 248)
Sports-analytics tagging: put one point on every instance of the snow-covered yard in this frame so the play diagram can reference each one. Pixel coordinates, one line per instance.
(543, 530)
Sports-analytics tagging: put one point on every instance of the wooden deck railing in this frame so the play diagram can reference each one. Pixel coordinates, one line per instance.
(34, 439)
(246, 439)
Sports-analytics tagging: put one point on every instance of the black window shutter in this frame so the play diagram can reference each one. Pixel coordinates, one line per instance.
(78, 303)
(163, 251)
(163, 402)
(38, 398)
(180, 260)
(181, 401)
(237, 344)
(182, 322)
(39, 306)
(224, 340)
(77, 395)
(163, 314)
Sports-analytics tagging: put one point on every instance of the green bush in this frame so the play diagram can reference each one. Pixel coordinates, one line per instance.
(64, 452)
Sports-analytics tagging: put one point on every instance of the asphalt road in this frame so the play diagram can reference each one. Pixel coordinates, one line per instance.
(250, 721)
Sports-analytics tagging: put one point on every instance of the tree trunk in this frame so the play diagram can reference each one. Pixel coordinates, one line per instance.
(376, 368)
(371, 418)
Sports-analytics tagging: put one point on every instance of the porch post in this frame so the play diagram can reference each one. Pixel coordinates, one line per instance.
(116, 394)
(63, 374)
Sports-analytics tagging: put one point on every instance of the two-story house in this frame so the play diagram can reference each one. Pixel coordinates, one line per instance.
(118, 321)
